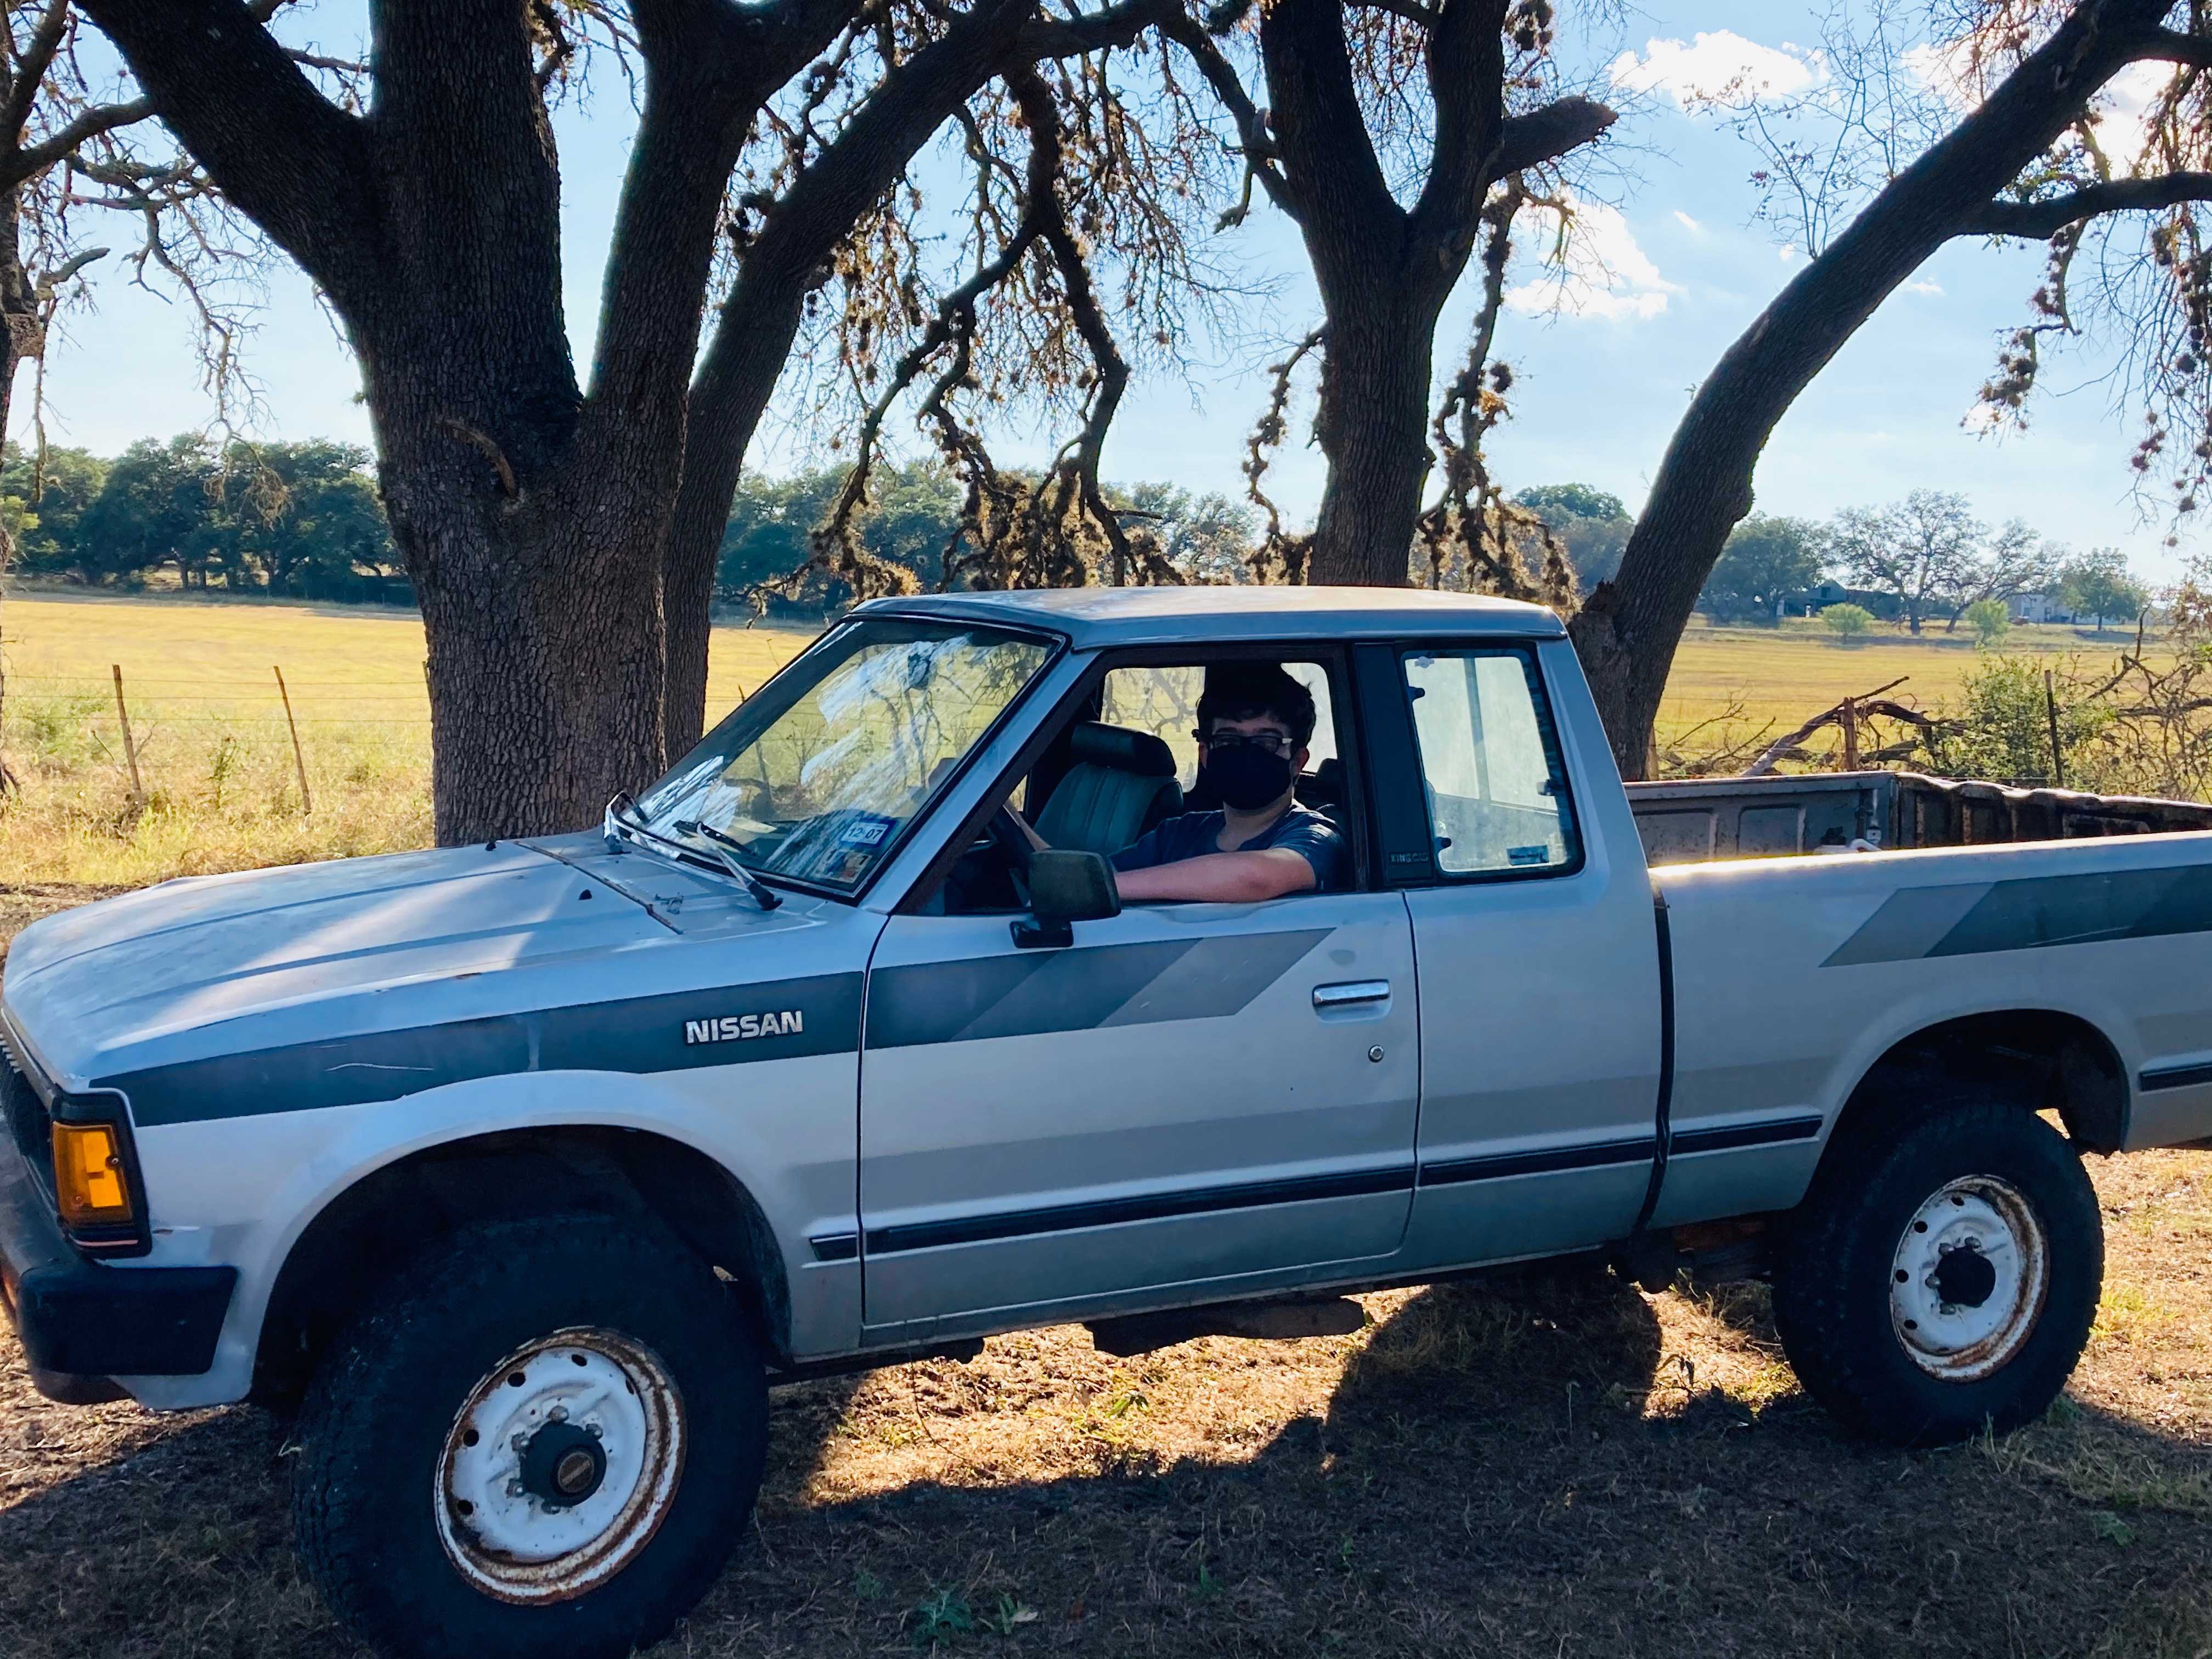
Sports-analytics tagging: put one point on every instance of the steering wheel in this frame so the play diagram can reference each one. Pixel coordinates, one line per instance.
(1006, 836)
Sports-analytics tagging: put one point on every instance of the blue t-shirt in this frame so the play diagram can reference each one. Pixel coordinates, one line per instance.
(1301, 831)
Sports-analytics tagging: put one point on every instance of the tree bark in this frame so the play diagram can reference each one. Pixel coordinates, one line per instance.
(19, 337)
(1627, 632)
(1372, 426)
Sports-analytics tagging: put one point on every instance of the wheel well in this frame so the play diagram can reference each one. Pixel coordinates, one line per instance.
(386, 1216)
(2031, 1057)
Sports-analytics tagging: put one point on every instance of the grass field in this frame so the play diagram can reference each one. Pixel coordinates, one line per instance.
(1787, 674)
(214, 752)
(217, 766)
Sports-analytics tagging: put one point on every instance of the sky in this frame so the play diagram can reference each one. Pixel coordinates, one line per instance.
(1605, 360)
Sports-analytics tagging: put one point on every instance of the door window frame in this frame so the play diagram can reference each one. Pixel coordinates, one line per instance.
(1086, 693)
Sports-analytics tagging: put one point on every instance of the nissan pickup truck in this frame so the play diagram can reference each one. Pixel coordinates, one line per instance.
(520, 1171)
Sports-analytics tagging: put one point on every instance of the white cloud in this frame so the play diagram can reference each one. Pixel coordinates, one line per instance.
(1688, 223)
(1717, 67)
(1924, 288)
(1786, 252)
(1602, 272)
(2122, 111)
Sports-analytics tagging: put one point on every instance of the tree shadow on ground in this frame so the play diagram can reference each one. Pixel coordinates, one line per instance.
(1514, 1466)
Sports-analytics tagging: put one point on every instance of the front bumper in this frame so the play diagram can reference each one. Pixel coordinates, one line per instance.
(81, 1322)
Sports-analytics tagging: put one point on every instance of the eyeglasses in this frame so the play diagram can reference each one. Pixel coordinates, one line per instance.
(1268, 743)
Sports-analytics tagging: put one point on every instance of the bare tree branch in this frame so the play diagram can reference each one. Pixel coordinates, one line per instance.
(1545, 135)
(2044, 218)
(2167, 45)
(33, 158)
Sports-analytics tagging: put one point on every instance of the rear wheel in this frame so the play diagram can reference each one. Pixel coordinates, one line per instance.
(545, 1438)
(1942, 1275)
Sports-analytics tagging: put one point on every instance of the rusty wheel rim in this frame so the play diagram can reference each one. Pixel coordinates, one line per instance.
(560, 1466)
(1969, 1279)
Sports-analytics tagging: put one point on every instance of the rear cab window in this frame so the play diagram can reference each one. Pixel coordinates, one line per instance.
(1491, 773)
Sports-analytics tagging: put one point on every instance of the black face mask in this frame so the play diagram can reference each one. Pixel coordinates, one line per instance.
(1248, 777)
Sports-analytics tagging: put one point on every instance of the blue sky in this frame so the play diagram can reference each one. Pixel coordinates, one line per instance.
(1600, 382)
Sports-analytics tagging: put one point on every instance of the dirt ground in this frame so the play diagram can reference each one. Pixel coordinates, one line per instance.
(1541, 1465)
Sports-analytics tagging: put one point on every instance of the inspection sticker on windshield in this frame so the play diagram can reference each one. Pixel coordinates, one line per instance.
(1528, 855)
(866, 830)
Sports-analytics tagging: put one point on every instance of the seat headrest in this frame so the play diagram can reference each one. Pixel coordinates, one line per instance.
(1124, 751)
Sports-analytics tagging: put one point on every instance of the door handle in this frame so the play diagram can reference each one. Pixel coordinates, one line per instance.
(1352, 993)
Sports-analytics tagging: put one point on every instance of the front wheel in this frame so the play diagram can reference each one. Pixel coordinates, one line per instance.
(1942, 1275)
(545, 1438)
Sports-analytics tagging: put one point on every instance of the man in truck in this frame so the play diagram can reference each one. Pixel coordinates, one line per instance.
(1255, 723)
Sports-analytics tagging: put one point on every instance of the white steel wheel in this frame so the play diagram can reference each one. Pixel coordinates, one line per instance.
(560, 1466)
(1969, 1279)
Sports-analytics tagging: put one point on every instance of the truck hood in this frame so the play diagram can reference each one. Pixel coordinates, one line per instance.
(264, 958)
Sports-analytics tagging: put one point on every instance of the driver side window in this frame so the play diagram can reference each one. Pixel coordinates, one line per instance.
(1124, 760)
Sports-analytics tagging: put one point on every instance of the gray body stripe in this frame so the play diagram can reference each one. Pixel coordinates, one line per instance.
(2031, 913)
(1032, 991)
(638, 1034)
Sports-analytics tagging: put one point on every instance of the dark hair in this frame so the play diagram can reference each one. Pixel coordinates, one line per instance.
(1244, 691)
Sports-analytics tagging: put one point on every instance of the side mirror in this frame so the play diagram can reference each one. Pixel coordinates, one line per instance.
(1065, 887)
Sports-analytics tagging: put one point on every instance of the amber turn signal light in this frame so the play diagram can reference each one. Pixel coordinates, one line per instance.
(88, 1184)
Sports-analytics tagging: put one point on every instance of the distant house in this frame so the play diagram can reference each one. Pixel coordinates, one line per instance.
(2038, 608)
(1831, 592)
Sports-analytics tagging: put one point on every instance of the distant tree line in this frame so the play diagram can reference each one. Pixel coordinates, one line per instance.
(302, 521)
(1922, 560)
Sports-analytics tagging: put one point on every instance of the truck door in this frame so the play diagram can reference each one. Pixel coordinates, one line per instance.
(1539, 958)
(1190, 1095)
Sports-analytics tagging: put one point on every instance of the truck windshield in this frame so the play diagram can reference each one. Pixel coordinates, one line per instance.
(815, 776)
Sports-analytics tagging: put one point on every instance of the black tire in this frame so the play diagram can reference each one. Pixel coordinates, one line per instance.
(370, 1484)
(1839, 1259)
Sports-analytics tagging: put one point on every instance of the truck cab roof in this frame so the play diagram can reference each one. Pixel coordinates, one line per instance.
(1099, 616)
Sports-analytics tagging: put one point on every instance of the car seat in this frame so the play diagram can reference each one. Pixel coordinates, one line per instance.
(1120, 784)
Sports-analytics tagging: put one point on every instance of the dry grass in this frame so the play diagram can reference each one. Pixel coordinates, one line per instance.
(217, 761)
(215, 753)
(1782, 676)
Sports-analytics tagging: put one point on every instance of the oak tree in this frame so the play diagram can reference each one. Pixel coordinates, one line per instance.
(2017, 156)
(560, 530)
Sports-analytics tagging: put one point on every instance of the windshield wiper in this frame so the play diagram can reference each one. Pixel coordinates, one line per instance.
(621, 815)
(767, 895)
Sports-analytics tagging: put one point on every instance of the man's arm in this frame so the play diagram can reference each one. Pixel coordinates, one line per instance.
(1222, 878)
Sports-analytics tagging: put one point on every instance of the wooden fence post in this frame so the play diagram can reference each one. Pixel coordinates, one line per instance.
(2050, 710)
(307, 801)
(129, 744)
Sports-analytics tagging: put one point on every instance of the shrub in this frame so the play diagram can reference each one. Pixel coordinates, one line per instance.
(2002, 730)
(1848, 622)
(1990, 620)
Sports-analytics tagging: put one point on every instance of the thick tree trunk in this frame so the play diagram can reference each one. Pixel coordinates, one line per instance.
(736, 379)
(19, 338)
(1627, 632)
(1373, 427)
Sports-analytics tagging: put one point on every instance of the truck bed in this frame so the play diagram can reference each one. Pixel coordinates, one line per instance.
(1697, 819)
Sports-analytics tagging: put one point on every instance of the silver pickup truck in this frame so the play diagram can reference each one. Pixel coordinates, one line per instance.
(521, 1170)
